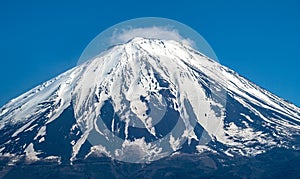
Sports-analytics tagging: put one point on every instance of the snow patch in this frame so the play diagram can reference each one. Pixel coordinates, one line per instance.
(41, 133)
(30, 153)
(42, 139)
(98, 150)
(175, 144)
(138, 151)
(203, 148)
(54, 158)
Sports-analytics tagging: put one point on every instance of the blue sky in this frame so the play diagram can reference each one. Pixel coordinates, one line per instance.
(259, 40)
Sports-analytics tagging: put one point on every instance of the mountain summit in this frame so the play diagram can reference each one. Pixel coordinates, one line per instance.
(142, 101)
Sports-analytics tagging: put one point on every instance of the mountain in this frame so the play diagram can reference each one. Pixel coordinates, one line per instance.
(142, 101)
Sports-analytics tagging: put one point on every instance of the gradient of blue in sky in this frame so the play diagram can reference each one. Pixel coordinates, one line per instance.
(259, 40)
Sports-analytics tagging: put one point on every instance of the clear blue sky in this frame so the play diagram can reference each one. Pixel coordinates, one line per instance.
(259, 40)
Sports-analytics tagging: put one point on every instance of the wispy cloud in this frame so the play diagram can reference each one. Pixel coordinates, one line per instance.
(164, 33)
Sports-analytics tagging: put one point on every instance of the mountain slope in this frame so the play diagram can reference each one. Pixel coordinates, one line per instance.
(144, 100)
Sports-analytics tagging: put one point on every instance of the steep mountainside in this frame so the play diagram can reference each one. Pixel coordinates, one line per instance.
(144, 100)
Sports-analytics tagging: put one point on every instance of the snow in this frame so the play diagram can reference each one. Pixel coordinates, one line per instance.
(138, 151)
(42, 139)
(128, 71)
(243, 140)
(174, 143)
(28, 106)
(247, 117)
(31, 128)
(203, 148)
(3, 111)
(54, 158)
(22, 128)
(98, 150)
(30, 153)
(41, 132)
(76, 147)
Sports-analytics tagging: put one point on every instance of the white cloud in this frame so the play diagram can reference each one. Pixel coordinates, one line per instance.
(162, 33)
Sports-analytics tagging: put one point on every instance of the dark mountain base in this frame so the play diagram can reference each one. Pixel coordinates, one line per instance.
(275, 163)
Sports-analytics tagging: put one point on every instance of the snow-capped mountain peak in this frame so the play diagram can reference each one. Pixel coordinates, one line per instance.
(153, 97)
